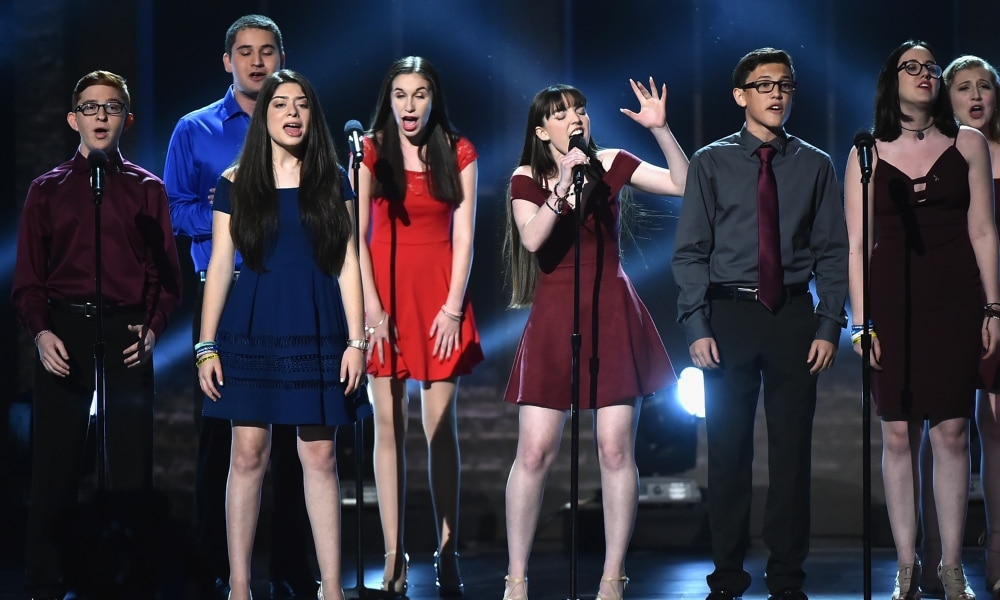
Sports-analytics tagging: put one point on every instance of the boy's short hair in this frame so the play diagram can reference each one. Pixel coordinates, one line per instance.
(755, 58)
(253, 22)
(101, 78)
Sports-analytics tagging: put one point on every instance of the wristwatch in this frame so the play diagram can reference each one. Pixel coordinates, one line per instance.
(359, 344)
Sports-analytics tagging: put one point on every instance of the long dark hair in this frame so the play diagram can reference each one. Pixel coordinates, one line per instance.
(522, 266)
(438, 144)
(888, 114)
(254, 223)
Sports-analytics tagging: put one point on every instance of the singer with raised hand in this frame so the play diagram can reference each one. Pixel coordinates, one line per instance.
(933, 266)
(56, 299)
(746, 309)
(417, 205)
(559, 150)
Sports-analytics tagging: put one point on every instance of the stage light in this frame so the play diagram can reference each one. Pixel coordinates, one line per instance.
(691, 391)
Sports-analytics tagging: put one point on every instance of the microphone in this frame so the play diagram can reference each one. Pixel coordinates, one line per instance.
(576, 141)
(98, 162)
(354, 132)
(864, 142)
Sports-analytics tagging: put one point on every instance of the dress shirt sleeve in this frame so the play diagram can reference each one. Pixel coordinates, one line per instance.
(164, 293)
(829, 245)
(30, 293)
(692, 248)
(190, 214)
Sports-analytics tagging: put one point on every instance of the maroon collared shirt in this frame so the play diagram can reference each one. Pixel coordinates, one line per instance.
(55, 244)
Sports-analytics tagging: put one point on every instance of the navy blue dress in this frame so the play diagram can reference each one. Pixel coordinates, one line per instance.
(283, 332)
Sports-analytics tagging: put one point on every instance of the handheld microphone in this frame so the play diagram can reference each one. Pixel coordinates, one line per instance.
(576, 141)
(98, 162)
(864, 142)
(354, 132)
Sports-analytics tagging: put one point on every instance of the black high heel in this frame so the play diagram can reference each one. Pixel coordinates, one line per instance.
(450, 586)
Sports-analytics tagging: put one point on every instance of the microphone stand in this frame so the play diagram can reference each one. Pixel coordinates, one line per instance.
(99, 349)
(575, 342)
(359, 591)
(866, 418)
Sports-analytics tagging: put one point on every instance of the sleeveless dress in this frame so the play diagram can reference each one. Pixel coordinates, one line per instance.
(410, 244)
(989, 368)
(615, 326)
(283, 332)
(926, 293)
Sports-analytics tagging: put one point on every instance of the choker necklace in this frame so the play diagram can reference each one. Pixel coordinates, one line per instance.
(919, 132)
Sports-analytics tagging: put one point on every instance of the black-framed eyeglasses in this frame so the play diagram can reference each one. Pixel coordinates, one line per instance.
(766, 86)
(112, 107)
(915, 67)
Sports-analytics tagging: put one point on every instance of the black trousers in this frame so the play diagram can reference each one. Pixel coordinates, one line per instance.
(61, 421)
(290, 542)
(757, 347)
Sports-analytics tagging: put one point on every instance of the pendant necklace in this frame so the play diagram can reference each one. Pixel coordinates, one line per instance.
(919, 132)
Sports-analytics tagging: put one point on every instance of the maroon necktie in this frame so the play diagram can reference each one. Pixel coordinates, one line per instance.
(770, 284)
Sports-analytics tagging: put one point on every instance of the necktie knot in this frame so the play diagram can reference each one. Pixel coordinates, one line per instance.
(765, 153)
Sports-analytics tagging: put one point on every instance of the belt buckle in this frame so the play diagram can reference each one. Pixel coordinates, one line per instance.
(745, 293)
(89, 309)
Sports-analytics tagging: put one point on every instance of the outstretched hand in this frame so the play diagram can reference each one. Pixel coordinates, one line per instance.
(652, 105)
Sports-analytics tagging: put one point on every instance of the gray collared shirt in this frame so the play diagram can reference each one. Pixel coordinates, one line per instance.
(716, 242)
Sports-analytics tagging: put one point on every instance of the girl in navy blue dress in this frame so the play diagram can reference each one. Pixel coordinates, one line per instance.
(289, 334)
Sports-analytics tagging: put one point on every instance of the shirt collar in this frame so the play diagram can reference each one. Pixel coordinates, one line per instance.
(115, 161)
(231, 108)
(749, 142)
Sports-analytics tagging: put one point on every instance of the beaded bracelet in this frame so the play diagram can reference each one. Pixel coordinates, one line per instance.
(40, 333)
(858, 330)
(992, 310)
(554, 209)
(452, 316)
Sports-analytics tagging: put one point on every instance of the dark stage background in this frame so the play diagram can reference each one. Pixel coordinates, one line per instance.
(493, 57)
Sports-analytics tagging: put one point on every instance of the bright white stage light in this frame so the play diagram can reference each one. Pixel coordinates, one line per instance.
(691, 391)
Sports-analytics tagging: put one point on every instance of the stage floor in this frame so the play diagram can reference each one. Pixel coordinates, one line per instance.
(835, 572)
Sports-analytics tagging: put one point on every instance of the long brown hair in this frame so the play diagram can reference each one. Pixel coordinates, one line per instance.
(438, 144)
(254, 222)
(522, 266)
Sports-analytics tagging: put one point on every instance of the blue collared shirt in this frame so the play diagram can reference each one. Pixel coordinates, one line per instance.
(204, 144)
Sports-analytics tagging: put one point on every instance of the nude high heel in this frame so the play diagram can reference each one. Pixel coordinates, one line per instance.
(397, 584)
(612, 580)
(512, 584)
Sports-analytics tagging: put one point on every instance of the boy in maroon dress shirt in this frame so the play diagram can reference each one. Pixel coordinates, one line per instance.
(56, 300)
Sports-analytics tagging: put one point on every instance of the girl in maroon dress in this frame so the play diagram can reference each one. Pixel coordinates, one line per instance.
(417, 194)
(617, 332)
(933, 262)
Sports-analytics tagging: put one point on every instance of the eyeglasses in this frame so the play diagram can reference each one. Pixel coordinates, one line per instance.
(766, 86)
(111, 108)
(914, 68)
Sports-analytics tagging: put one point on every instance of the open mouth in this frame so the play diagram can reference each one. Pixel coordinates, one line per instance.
(410, 124)
(293, 129)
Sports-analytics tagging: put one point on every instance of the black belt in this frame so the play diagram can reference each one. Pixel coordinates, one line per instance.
(89, 309)
(201, 275)
(749, 294)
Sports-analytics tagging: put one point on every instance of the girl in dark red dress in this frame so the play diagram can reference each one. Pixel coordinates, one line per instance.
(615, 327)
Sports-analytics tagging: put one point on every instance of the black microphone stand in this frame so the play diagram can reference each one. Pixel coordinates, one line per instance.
(866, 418)
(359, 591)
(100, 387)
(575, 343)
